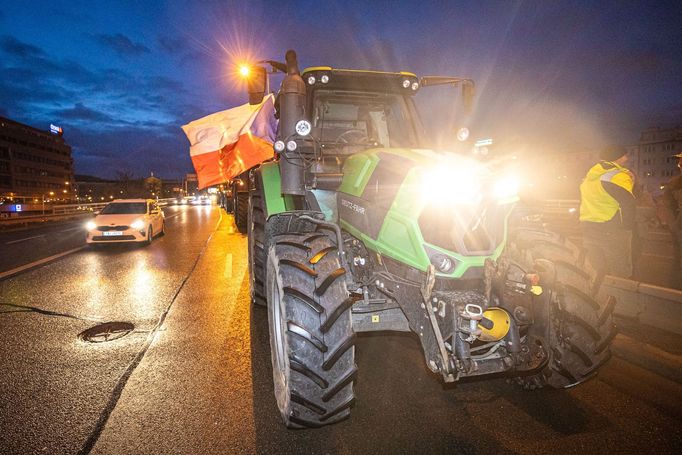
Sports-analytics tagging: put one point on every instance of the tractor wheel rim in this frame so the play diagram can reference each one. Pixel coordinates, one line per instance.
(280, 376)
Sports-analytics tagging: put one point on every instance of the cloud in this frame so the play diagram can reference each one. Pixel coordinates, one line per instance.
(122, 45)
(162, 150)
(81, 113)
(12, 46)
(113, 118)
(171, 44)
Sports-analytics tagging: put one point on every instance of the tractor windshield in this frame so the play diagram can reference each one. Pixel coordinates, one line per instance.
(364, 119)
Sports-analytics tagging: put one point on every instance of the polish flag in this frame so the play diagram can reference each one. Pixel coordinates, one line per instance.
(227, 143)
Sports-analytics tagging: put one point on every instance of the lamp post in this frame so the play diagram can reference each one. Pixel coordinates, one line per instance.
(43, 198)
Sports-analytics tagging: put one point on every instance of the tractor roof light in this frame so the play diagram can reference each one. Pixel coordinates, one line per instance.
(406, 83)
(292, 146)
(279, 146)
(463, 134)
(415, 86)
(324, 78)
(303, 128)
(311, 80)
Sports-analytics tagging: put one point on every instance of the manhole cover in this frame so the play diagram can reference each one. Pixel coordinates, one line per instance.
(107, 331)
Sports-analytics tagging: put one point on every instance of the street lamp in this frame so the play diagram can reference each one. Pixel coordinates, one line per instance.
(51, 193)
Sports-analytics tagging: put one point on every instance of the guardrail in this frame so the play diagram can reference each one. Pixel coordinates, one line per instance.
(75, 208)
(63, 212)
(647, 304)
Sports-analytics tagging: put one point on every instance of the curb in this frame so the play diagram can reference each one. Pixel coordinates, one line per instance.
(646, 303)
(648, 357)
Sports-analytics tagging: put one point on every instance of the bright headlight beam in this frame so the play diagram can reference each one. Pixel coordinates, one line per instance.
(137, 224)
(506, 187)
(444, 185)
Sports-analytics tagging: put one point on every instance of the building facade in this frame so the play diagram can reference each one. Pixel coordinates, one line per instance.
(190, 184)
(34, 163)
(653, 161)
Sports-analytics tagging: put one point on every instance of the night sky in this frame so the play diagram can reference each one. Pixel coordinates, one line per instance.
(121, 77)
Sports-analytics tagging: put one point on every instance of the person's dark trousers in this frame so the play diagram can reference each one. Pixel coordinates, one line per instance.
(610, 251)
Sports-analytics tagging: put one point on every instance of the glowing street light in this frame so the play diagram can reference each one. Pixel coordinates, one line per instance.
(244, 71)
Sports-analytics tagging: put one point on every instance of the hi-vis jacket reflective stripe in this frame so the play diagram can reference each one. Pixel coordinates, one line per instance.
(596, 204)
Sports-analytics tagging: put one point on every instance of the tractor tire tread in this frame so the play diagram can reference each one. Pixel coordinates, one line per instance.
(320, 342)
(580, 314)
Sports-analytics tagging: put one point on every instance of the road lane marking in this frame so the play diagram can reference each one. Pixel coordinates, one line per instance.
(38, 262)
(228, 266)
(23, 240)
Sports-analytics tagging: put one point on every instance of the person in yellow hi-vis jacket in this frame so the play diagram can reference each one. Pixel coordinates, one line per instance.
(607, 213)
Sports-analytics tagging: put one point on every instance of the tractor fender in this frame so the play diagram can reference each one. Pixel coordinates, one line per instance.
(271, 183)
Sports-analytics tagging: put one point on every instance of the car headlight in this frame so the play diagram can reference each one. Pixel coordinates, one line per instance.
(506, 187)
(90, 225)
(137, 224)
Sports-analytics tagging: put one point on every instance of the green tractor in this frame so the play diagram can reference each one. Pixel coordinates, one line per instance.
(354, 227)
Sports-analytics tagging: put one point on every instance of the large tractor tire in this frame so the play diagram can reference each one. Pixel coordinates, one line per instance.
(580, 326)
(257, 249)
(311, 339)
(241, 211)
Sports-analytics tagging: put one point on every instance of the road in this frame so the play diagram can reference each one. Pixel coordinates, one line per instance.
(24, 246)
(194, 376)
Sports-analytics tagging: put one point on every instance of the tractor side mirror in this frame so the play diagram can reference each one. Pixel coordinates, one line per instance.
(257, 84)
(467, 87)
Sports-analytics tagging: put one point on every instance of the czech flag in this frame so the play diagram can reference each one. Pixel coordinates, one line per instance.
(227, 143)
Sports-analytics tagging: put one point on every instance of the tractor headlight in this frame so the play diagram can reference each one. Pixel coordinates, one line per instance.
(506, 187)
(303, 128)
(137, 224)
(463, 134)
(451, 185)
(442, 263)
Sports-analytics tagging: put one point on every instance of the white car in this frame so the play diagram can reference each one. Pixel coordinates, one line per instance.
(127, 220)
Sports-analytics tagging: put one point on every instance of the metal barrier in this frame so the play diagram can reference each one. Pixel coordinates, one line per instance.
(64, 212)
(647, 304)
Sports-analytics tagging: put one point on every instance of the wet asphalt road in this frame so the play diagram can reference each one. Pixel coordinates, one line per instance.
(200, 382)
(23, 246)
